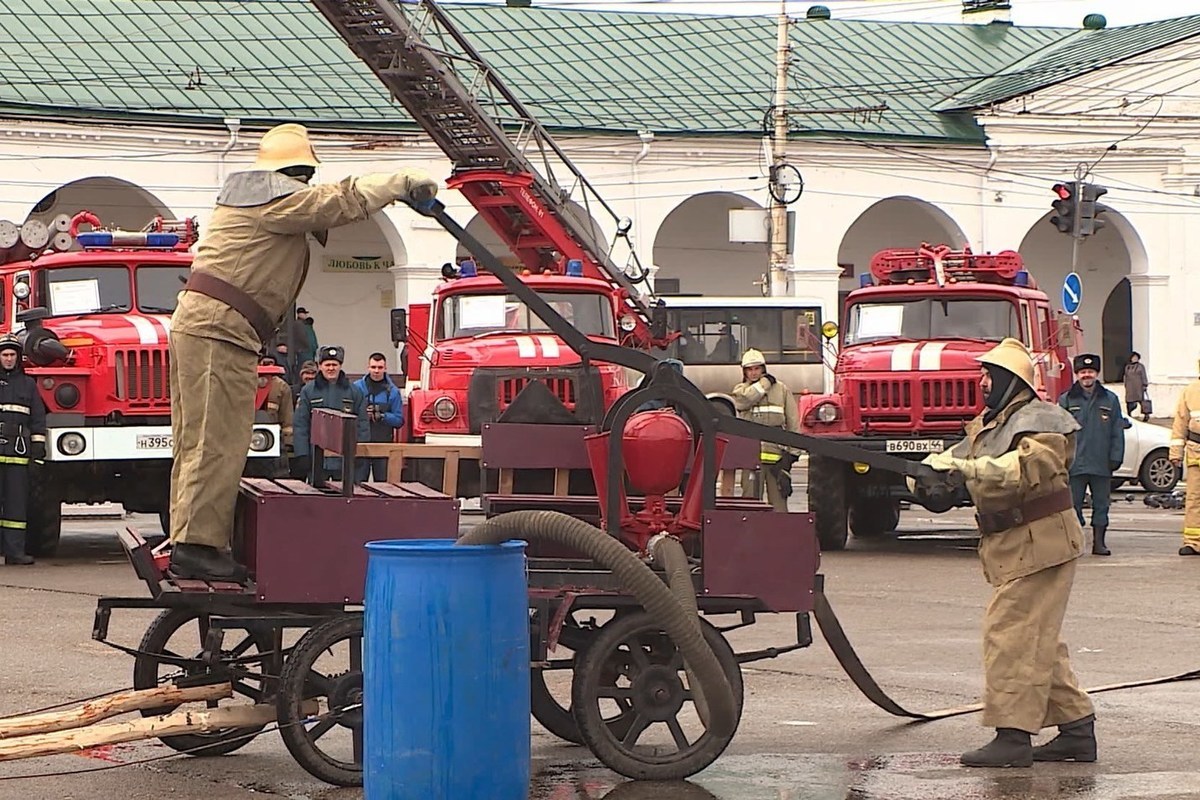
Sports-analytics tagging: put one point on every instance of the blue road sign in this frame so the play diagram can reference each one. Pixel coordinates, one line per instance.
(1072, 293)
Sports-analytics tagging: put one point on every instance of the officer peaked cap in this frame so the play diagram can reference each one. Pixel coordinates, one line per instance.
(331, 352)
(1087, 361)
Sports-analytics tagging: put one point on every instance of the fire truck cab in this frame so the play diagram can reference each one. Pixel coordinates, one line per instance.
(487, 357)
(906, 380)
(95, 324)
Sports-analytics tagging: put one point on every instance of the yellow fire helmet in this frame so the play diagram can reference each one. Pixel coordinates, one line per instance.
(1011, 355)
(753, 358)
(285, 146)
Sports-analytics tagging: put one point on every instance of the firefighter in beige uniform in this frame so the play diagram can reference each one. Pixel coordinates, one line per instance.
(762, 399)
(1015, 461)
(248, 270)
(1185, 455)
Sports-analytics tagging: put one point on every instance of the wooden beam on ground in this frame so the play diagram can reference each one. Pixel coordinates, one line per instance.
(165, 696)
(179, 722)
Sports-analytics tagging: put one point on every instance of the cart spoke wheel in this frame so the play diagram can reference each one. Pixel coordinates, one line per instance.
(326, 666)
(177, 631)
(663, 738)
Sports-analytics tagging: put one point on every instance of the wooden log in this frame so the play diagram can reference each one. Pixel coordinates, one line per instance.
(194, 721)
(167, 695)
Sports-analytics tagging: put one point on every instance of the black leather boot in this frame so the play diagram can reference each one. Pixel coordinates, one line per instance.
(1098, 548)
(1076, 741)
(1010, 748)
(21, 560)
(12, 543)
(201, 562)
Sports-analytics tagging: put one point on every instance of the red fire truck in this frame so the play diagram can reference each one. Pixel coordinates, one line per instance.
(95, 323)
(906, 380)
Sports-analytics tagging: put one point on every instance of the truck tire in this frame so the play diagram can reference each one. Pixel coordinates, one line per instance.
(871, 518)
(827, 501)
(45, 516)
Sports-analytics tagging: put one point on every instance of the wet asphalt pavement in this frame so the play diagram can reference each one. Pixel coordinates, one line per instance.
(910, 604)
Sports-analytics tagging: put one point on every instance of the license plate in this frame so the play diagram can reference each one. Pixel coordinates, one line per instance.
(915, 445)
(153, 441)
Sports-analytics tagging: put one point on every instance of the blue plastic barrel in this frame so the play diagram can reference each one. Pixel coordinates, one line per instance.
(446, 671)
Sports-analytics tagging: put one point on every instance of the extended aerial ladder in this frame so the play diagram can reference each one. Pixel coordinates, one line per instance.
(443, 82)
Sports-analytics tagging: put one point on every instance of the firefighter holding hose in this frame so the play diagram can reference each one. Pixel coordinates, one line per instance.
(248, 271)
(1015, 461)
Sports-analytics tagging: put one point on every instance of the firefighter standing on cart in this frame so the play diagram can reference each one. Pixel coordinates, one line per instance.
(248, 270)
(22, 439)
(763, 399)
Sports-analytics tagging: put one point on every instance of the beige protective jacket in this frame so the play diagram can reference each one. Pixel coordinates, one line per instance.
(257, 241)
(1187, 420)
(279, 406)
(770, 405)
(1024, 453)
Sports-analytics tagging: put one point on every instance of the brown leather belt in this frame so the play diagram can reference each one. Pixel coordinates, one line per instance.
(1035, 509)
(212, 286)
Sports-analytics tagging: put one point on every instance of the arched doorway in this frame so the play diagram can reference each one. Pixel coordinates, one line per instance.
(894, 222)
(118, 203)
(692, 248)
(1104, 262)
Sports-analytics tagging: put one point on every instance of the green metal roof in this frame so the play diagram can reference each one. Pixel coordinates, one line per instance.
(1072, 56)
(197, 61)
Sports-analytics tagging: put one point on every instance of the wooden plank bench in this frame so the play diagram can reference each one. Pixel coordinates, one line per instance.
(396, 452)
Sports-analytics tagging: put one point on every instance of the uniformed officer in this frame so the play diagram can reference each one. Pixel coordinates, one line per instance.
(248, 270)
(22, 438)
(1185, 455)
(763, 399)
(1015, 461)
(330, 389)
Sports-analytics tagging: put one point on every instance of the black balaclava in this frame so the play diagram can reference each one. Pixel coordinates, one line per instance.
(1005, 386)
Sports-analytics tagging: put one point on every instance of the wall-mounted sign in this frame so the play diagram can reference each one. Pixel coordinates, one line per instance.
(334, 263)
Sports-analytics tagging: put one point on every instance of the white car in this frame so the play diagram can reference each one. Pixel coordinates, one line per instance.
(1146, 459)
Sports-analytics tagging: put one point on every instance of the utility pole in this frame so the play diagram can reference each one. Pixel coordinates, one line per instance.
(780, 260)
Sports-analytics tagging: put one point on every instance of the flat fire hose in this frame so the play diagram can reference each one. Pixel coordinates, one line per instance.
(836, 638)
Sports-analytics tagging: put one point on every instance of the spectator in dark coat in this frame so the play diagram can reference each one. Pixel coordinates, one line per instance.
(1136, 386)
(1099, 445)
(330, 389)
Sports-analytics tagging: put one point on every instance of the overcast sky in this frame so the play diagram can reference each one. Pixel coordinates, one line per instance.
(1067, 13)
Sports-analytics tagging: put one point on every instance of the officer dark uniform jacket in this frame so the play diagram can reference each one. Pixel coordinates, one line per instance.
(22, 439)
(1099, 447)
(340, 395)
(1015, 461)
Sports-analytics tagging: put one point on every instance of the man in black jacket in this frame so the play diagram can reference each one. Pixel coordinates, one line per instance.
(22, 438)
(1099, 446)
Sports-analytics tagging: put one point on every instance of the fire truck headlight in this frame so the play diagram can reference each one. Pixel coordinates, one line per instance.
(21, 290)
(71, 444)
(261, 441)
(628, 323)
(827, 412)
(67, 395)
(445, 409)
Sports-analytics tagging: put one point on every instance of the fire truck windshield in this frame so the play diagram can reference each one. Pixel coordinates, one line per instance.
(158, 286)
(470, 315)
(68, 291)
(928, 318)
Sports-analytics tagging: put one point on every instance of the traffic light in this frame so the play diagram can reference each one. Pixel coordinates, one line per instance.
(1065, 206)
(1090, 210)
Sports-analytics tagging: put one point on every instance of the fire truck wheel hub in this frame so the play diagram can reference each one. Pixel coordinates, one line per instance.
(658, 693)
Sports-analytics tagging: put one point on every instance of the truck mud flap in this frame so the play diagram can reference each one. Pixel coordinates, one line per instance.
(838, 642)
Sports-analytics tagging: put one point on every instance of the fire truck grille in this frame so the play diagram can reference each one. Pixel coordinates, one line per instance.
(936, 400)
(507, 390)
(142, 378)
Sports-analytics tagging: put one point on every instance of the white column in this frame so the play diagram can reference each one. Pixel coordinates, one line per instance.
(1148, 293)
(821, 284)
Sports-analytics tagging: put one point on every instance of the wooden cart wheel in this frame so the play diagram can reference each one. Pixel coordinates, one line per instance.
(549, 710)
(149, 670)
(665, 739)
(325, 665)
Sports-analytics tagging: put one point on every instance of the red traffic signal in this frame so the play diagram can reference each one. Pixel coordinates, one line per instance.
(1065, 207)
(1063, 192)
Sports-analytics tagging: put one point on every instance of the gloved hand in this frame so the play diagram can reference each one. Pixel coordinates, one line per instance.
(786, 461)
(763, 384)
(37, 451)
(382, 189)
(1113, 466)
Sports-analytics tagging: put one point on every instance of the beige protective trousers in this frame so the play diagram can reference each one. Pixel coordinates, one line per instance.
(213, 384)
(1191, 507)
(768, 476)
(1027, 668)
